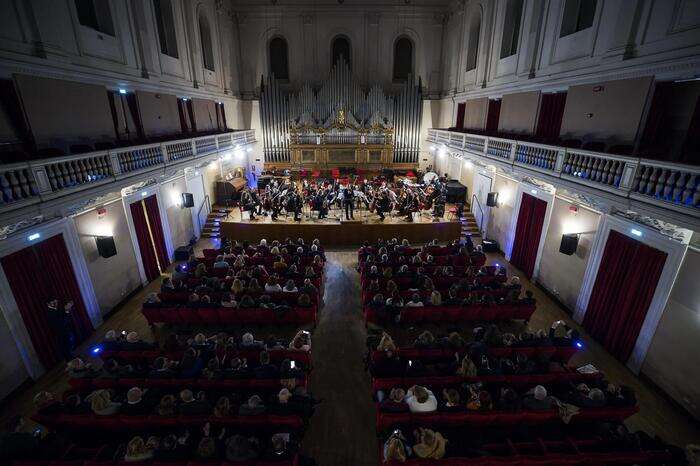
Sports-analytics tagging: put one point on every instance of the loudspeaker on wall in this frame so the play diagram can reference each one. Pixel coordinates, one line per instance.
(187, 200)
(569, 243)
(106, 246)
(492, 199)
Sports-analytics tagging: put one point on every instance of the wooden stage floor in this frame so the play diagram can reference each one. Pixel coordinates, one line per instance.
(335, 231)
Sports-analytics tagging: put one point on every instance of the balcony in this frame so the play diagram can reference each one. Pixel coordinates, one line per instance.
(39, 181)
(669, 191)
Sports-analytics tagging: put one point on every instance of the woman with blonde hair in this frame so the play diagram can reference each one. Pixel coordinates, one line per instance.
(467, 368)
(386, 343)
(136, 450)
(395, 450)
(435, 298)
(236, 286)
(431, 444)
(391, 287)
(101, 403)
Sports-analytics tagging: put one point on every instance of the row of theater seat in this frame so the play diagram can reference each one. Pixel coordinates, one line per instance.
(476, 312)
(184, 315)
(555, 353)
(276, 355)
(199, 384)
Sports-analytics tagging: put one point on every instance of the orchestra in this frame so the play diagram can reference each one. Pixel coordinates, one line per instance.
(378, 195)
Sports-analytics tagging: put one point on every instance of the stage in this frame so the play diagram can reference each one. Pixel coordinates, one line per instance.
(335, 232)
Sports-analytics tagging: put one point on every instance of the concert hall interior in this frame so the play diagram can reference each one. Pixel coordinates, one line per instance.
(349, 232)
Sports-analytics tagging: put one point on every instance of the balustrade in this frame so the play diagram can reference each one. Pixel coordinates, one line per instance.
(31, 180)
(646, 180)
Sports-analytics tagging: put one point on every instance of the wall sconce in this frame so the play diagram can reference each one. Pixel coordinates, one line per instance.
(569, 243)
(492, 199)
(106, 246)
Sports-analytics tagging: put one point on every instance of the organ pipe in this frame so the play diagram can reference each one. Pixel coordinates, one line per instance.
(281, 111)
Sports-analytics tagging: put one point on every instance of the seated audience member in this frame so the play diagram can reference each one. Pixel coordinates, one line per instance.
(435, 298)
(254, 287)
(220, 263)
(508, 401)
(222, 407)
(228, 301)
(236, 286)
(253, 406)
(290, 287)
(386, 343)
(248, 341)
(415, 301)
(420, 400)
(560, 334)
(301, 341)
(167, 406)
(429, 444)
(395, 448)
(467, 368)
(135, 404)
(247, 302)
(451, 400)
(309, 288)
(16, 444)
(101, 403)
(395, 402)
(304, 300)
(240, 448)
(138, 450)
(266, 370)
(272, 286)
(425, 340)
(78, 369)
(191, 406)
(167, 286)
(537, 399)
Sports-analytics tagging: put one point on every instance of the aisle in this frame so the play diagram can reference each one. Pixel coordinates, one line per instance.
(341, 431)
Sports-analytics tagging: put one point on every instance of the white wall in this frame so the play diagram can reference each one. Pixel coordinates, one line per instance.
(113, 278)
(12, 370)
(672, 361)
(566, 286)
(628, 39)
(371, 28)
(179, 218)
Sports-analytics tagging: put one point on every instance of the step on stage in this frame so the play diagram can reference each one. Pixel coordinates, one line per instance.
(333, 231)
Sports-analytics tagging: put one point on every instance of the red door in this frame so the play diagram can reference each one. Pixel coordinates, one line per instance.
(527, 233)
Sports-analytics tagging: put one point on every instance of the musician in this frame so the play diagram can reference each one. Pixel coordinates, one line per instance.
(248, 202)
(349, 201)
(294, 204)
(383, 205)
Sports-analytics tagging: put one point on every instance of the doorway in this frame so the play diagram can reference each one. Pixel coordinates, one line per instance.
(528, 232)
(149, 236)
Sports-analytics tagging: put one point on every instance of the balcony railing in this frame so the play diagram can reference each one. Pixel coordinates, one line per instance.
(663, 184)
(31, 182)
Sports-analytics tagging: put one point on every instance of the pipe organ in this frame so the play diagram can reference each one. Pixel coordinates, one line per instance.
(340, 123)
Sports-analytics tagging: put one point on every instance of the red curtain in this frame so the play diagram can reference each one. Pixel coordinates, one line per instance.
(527, 233)
(148, 256)
(551, 114)
(493, 115)
(37, 274)
(624, 287)
(461, 109)
(157, 231)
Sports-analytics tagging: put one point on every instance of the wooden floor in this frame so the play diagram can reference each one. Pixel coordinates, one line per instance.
(342, 430)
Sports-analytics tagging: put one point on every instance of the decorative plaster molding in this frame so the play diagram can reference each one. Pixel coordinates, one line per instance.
(540, 184)
(669, 230)
(7, 230)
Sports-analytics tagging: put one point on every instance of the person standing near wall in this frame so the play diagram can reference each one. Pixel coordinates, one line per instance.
(59, 321)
